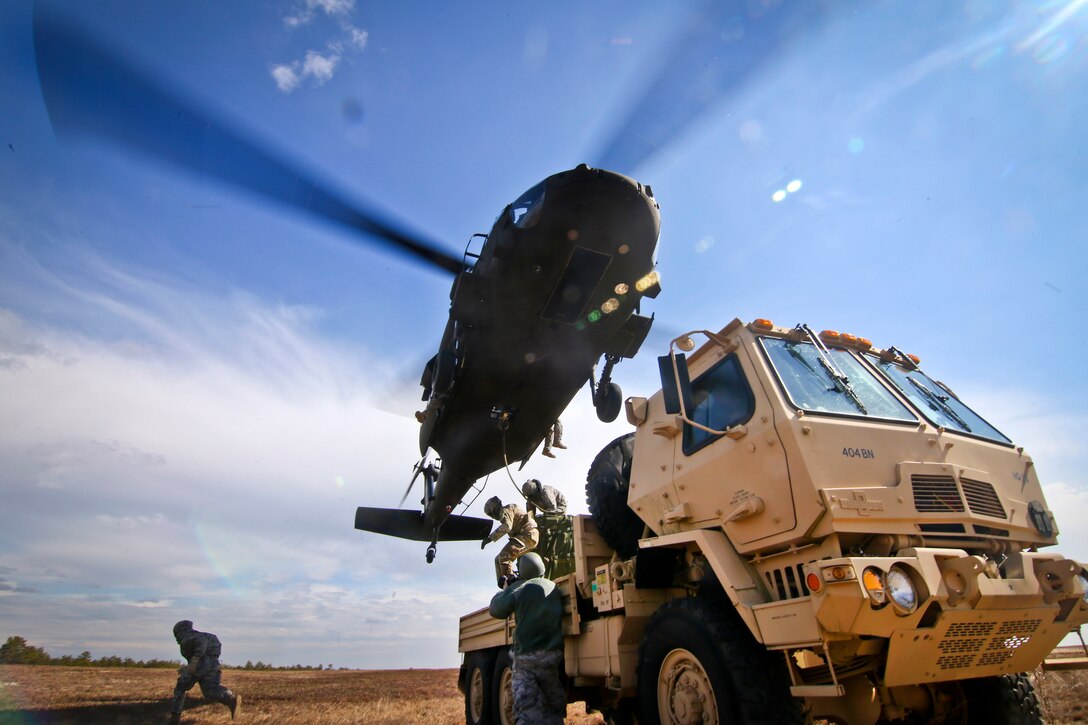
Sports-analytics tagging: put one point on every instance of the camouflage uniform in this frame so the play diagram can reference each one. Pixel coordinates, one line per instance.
(539, 698)
(537, 606)
(201, 650)
(521, 528)
(556, 528)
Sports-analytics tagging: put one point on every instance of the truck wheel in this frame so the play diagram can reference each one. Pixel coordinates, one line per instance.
(696, 665)
(479, 669)
(606, 494)
(502, 689)
(1002, 700)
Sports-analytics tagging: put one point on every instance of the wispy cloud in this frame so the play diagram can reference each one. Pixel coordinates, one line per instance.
(317, 67)
(203, 460)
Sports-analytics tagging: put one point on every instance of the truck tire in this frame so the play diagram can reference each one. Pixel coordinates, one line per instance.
(1002, 700)
(606, 494)
(479, 670)
(502, 689)
(698, 664)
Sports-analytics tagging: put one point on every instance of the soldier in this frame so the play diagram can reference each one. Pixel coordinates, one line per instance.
(201, 651)
(537, 607)
(556, 546)
(520, 526)
(553, 439)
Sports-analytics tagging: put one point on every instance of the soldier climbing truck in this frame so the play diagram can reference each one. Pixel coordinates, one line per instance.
(802, 527)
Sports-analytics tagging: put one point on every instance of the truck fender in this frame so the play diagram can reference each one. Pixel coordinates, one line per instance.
(730, 569)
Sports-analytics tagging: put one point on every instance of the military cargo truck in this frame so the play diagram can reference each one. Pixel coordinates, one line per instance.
(802, 527)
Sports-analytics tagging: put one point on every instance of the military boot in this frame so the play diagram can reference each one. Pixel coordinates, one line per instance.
(175, 719)
(234, 702)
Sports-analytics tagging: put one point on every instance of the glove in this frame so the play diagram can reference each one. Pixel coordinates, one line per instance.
(485, 542)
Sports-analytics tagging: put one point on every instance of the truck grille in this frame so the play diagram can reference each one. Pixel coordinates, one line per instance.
(982, 498)
(936, 494)
(978, 645)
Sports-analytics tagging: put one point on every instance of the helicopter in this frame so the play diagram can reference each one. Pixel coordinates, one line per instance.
(555, 286)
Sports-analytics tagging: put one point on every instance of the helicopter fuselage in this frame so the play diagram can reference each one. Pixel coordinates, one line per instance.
(556, 286)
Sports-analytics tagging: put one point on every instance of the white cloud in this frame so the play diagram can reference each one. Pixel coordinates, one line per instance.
(319, 67)
(314, 67)
(286, 78)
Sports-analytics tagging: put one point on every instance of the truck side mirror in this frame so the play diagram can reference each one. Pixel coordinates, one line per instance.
(675, 388)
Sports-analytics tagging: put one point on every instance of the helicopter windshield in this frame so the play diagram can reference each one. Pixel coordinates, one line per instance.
(525, 212)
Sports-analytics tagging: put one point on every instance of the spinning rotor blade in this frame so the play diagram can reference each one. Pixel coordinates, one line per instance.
(90, 91)
(722, 46)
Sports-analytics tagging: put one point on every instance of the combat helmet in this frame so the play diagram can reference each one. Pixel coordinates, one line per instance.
(492, 506)
(184, 625)
(532, 487)
(530, 566)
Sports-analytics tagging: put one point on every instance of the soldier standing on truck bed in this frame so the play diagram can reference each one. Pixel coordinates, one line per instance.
(556, 546)
(201, 651)
(537, 607)
(523, 533)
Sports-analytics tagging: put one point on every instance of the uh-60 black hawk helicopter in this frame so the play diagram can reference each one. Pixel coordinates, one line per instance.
(554, 288)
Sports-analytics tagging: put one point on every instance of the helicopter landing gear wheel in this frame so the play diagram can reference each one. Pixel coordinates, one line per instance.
(608, 403)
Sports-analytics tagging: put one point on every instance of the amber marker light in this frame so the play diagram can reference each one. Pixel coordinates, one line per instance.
(621, 288)
(915, 359)
(830, 336)
(647, 282)
(762, 323)
(873, 581)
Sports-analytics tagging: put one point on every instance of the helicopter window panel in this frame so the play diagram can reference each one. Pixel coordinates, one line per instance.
(938, 404)
(580, 278)
(722, 399)
(525, 212)
(837, 383)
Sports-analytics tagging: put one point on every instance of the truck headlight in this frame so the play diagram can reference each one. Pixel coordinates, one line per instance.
(901, 591)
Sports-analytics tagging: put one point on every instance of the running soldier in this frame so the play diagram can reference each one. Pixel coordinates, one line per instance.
(201, 651)
(521, 528)
(556, 528)
(537, 607)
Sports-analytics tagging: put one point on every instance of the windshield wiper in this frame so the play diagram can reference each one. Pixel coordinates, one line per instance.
(838, 377)
(939, 402)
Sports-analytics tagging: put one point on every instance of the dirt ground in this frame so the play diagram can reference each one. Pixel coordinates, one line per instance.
(31, 695)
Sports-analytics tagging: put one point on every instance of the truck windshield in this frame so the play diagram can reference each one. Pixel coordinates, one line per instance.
(839, 384)
(937, 403)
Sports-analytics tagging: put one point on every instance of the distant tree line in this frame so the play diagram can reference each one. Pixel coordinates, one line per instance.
(16, 651)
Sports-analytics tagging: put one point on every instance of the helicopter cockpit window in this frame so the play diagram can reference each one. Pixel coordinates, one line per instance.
(835, 383)
(525, 212)
(722, 399)
(937, 403)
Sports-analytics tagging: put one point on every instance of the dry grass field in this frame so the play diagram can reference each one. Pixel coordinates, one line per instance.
(31, 695)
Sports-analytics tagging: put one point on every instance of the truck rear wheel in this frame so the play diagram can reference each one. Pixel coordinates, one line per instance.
(1002, 700)
(479, 669)
(696, 666)
(606, 494)
(502, 688)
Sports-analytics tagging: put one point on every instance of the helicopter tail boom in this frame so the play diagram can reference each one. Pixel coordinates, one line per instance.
(408, 524)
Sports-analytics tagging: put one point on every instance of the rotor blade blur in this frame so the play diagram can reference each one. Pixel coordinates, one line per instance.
(90, 91)
(722, 46)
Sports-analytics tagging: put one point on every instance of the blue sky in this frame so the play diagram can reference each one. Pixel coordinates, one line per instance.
(197, 388)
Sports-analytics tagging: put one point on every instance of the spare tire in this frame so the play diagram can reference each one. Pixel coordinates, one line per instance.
(606, 494)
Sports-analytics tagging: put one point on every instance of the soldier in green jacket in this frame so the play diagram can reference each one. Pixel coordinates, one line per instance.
(537, 606)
